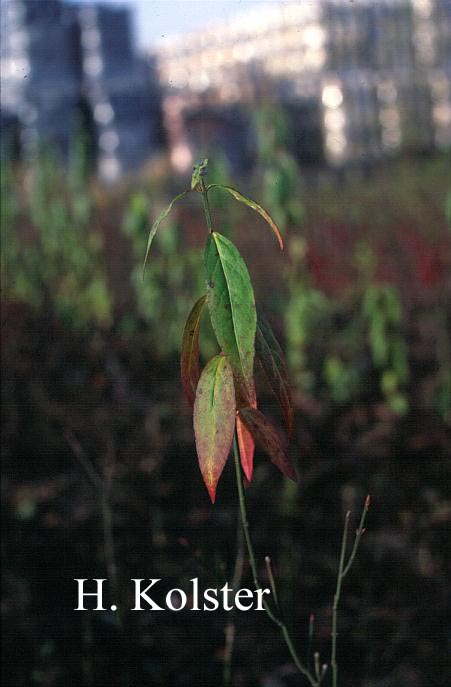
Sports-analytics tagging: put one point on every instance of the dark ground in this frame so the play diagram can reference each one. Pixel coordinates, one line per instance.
(70, 398)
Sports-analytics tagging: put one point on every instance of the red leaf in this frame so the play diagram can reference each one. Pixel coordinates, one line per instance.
(269, 439)
(189, 356)
(214, 420)
(246, 443)
(247, 446)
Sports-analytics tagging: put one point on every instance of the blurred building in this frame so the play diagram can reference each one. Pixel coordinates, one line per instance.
(62, 62)
(360, 80)
(41, 69)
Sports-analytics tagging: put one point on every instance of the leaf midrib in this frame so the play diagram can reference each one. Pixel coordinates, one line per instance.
(231, 306)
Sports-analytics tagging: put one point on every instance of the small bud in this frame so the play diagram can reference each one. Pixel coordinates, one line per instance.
(367, 501)
(323, 670)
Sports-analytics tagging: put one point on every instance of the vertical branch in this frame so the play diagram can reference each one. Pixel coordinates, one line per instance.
(107, 516)
(333, 658)
(252, 561)
(343, 569)
(108, 541)
(230, 627)
(206, 203)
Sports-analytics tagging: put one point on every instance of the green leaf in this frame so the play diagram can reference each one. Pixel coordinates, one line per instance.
(214, 420)
(269, 439)
(231, 303)
(189, 357)
(255, 206)
(270, 355)
(163, 214)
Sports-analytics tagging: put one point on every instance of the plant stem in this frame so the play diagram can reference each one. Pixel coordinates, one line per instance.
(343, 569)
(252, 561)
(333, 658)
(207, 211)
(105, 507)
(230, 629)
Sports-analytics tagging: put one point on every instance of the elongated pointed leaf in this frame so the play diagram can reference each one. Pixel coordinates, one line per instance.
(246, 447)
(270, 355)
(230, 300)
(269, 439)
(255, 206)
(214, 420)
(246, 442)
(189, 357)
(163, 214)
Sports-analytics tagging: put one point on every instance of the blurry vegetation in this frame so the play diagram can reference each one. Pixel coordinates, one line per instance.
(367, 264)
(168, 288)
(52, 250)
(280, 174)
(363, 312)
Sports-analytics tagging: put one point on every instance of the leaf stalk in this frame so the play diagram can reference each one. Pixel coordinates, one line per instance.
(205, 201)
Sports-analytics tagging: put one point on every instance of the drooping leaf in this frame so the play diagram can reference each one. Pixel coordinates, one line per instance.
(270, 355)
(246, 446)
(269, 439)
(246, 443)
(214, 420)
(163, 214)
(189, 356)
(230, 299)
(255, 206)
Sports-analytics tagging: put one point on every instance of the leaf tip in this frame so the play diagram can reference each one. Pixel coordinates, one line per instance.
(211, 488)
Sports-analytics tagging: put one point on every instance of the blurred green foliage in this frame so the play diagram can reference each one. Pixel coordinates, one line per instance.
(279, 183)
(358, 301)
(173, 280)
(52, 251)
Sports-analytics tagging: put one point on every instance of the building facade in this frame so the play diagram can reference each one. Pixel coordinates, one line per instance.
(63, 61)
(371, 77)
(358, 80)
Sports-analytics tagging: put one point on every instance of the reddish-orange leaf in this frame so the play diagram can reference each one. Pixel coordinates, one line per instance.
(246, 443)
(189, 356)
(269, 439)
(247, 446)
(214, 420)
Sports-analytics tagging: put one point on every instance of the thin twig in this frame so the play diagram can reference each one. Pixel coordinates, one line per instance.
(83, 459)
(343, 569)
(107, 516)
(272, 581)
(317, 668)
(333, 658)
(311, 624)
(252, 561)
(230, 627)
(359, 534)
